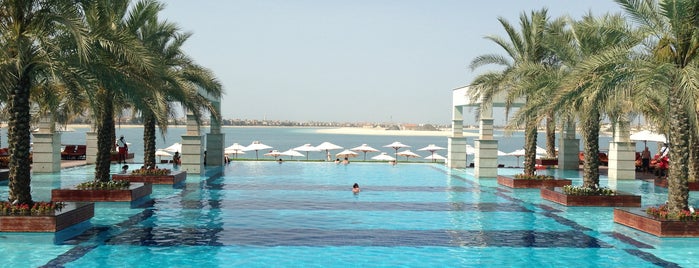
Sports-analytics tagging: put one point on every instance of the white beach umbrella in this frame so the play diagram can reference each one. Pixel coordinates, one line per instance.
(234, 149)
(517, 153)
(435, 157)
(291, 153)
(408, 154)
(306, 148)
(647, 135)
(327, 147)
(364, 148)
(274, 153)
(234, 152)
(161, 153)
(346, 153)
(431, 148)
(396, 145)
(235, 146)
(175, 147)
(501, 153)
(256, 146)
(383, 157)
(541, 151)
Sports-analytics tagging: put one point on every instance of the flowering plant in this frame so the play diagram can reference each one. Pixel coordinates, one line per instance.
(37, 209)
(151, 171)
(661, 212)
(102, 185)
(533, 177)
(581, 190)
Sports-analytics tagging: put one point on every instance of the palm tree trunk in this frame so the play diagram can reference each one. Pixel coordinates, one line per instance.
(530, 133)
(693, 158)
(105, 137)
(590, 134)
(550, 135)
(678, 191)
(18, 133)
(148, 140)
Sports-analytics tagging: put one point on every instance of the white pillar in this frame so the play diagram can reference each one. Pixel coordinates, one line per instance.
(192, 150)
(91, 150)
(568, 148)
(46, 153)
(215, 140)
(486, 162)
(622, 153)
(456, 147)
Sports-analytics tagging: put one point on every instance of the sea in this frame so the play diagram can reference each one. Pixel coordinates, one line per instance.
(284, 138)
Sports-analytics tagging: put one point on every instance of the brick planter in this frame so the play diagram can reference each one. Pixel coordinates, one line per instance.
(620, 200)
(661, 182)
(71, 214)
(639, 220)
(524, 183)
(135, 192)
(174, 177)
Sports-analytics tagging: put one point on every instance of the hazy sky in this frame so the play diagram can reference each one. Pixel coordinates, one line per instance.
(351, 60)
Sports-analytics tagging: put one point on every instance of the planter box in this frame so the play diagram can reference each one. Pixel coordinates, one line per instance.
(639, 220)
(524, 183)
(174, 177)
(661, 182)
(620, 200)
(135, 192)
(71, 214)
(547, 162)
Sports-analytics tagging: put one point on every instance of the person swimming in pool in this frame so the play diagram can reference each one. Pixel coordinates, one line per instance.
(355, 188)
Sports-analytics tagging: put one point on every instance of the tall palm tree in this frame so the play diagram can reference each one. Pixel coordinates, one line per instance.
(120, 65)
(522, 47)
(672, 28)
(599, 48)
(181, 80)
(30, 55)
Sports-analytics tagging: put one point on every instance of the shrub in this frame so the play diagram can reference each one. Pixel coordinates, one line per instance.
(151, 171)
(36, 209)
(661, 212)
(580, 190)
(101, 185)
(533, 177)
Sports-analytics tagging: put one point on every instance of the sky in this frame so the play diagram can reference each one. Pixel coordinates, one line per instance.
(349, 60)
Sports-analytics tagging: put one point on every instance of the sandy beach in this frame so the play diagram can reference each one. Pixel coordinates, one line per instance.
(383, 132)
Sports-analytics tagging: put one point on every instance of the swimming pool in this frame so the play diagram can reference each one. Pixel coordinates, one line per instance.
(262, 214)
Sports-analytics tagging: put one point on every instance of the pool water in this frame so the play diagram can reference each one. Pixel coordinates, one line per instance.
(262, 214)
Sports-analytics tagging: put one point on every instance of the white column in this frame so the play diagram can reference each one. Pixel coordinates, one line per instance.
(46, 153)
(456, 147)
(486, 162)
(568, 148)
(215, 140)
(622, 153)
(91, 150)
(192, 150)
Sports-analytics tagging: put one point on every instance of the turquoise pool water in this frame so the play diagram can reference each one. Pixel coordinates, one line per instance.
(262, 214)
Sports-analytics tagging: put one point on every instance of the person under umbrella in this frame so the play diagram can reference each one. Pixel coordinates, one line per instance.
(327, 147)
(364, 148)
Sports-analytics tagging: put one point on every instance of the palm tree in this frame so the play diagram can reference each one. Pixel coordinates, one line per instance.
(120, 65)
(29, 56)
(522, 48)
(592, 89)
(180, 80)
(672, 30)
